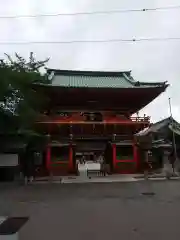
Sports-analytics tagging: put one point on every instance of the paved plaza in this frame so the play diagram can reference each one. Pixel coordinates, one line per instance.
(136, 210)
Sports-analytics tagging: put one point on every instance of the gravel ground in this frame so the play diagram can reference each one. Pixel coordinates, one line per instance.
(95, 211)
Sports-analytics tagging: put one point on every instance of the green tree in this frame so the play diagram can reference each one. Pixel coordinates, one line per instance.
(19, 100)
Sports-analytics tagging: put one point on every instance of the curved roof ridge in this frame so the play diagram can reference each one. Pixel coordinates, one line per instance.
(154, 83)
(129, 78)
(88, 73)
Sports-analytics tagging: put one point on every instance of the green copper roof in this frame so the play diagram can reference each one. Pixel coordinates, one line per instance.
(78, 79)
(91, 82)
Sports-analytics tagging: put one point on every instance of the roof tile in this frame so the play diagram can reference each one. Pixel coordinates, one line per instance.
(91, 81)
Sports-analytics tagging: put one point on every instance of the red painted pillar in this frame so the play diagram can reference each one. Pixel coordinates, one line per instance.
(114, 156)
(136, 158)
(70, 158)
(48, 158)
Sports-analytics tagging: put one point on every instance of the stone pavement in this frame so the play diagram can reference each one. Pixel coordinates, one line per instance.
(83, 178)
(95, 211)
(107, 179)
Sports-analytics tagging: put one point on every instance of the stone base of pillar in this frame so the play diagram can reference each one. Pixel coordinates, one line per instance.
(167, 170)
(51, 176)
(146, 175)
(176, 171)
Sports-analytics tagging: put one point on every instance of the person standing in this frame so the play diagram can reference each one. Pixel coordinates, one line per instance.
(83, 160)
(30, 166)
(21, 165)
(102, 165)
(147, 164)
(27, 165)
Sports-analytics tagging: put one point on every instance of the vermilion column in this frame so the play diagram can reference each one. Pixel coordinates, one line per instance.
(70, 157)
(48, 157)
(136, 158)
(114, 156)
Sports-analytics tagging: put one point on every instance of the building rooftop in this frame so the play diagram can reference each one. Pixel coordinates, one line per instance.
(167, 123)
(97, 79)
(98, 91)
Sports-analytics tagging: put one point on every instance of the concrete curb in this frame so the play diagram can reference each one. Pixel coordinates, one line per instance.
(104, 180)
(10, 227)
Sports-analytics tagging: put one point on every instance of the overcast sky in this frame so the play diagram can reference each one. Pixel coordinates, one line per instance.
(149, 61)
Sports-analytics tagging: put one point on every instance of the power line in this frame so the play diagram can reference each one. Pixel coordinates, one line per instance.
(90, 13)
(133, 40)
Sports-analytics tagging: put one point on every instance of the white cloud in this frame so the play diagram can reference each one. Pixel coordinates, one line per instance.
(149, 61)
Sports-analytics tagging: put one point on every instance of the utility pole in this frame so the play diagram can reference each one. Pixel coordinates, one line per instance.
(173, 135)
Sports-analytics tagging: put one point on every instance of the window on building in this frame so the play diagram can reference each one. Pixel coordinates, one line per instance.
(60, 153)
(93, 116)
(124, 152)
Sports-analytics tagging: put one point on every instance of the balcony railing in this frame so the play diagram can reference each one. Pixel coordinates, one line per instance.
(59, 120)
(140, 119)
(117, 137)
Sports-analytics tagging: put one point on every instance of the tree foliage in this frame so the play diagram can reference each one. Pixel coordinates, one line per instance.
(18, 98)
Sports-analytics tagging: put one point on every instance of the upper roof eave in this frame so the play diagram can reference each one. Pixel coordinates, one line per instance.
(160, 85)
